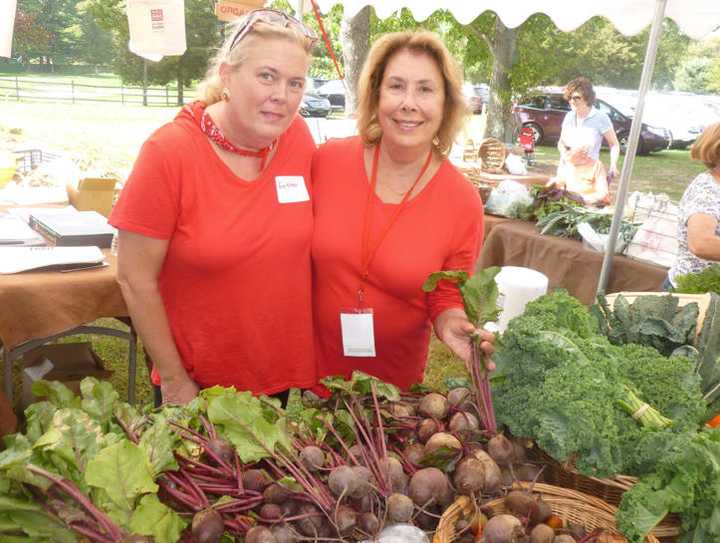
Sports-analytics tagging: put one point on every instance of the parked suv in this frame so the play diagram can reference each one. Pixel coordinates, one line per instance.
(544, 115)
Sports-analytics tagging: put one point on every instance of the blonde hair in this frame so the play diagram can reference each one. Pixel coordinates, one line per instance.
(210, 88)
(707, 147)
(421, 42)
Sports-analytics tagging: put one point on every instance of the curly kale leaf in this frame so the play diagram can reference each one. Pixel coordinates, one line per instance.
(687, 481)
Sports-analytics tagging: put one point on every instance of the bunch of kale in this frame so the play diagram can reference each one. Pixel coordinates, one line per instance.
(562, 383)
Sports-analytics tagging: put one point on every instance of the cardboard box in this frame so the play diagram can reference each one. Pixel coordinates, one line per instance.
(69, 363)
(93, 194)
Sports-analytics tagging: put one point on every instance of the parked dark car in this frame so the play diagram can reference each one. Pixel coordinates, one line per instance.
(334, 91)
(313, 105)
(544, 115)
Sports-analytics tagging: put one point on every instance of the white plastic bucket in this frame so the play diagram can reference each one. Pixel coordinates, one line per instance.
(517, 286)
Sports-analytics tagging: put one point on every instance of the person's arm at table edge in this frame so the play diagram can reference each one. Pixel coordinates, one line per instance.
(702, 240)
(140, 259)
(614, 146)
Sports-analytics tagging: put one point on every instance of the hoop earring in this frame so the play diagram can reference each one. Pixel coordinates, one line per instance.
(436, 141)
(225, 94)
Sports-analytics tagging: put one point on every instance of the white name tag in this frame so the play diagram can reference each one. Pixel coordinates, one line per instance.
(291, 189)
(358, 336)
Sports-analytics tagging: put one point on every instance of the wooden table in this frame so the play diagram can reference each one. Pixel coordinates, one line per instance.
(565, 261)
(37, 307)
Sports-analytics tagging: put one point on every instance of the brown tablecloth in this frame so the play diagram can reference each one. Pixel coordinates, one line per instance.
(566, 263)
(38, 304)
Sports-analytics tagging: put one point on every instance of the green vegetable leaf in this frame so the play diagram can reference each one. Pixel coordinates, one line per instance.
(246, 423)
(99, 398)
(443, 458)
(291, 483)
(39, 416)
(154, 518)
(71, 441)
(434, 278)
(362, 383)
(38, 525)
(338, 384)
(158, 443)
(123, 471)
(56, 393)
(480, 295)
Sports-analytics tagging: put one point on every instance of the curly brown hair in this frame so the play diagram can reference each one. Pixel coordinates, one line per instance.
(583, 86)
(706, 148)
(382, 51)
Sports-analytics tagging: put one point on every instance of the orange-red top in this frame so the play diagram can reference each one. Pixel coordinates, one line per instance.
(439, 229)
(236, 279)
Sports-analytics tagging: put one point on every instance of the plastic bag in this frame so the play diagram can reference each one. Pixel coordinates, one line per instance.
(400, 533)
(506, 197)
(598, 242)
(515, 165)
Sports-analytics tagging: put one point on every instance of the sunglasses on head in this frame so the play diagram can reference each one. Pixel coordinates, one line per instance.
(271, 17)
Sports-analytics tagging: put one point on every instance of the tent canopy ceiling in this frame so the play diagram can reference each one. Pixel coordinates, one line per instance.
(696, 18)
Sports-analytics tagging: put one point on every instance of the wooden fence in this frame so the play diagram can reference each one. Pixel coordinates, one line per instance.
(38, 90)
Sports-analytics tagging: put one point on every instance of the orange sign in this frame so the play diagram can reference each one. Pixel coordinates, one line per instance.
(229, 10)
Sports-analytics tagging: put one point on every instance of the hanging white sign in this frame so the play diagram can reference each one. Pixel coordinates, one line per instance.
(157, 28)
(7, 22)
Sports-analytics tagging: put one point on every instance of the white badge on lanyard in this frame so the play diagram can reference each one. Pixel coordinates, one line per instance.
(358, 334)
(291, 189)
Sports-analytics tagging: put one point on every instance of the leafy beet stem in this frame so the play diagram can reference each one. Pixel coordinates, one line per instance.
(74, 492)
(89, 533)
(380, 431)
(200, 465)
(181, 497)
(481, 386)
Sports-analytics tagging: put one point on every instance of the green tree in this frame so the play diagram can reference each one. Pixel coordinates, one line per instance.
(700, 72)
(94, 45)
(59, 19)
(30, 40)
(202, 34)
(694, 75)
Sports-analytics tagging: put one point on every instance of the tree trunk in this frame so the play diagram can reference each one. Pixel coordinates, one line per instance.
(501, 122)
(355, 44)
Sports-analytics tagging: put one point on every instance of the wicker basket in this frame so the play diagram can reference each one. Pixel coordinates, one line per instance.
(570, 505)
(491, 154)
(609, 491)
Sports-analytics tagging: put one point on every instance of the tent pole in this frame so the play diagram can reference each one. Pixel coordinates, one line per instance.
(621, 195)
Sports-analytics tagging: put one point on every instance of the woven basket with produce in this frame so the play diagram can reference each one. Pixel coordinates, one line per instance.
(622, 388)
(545, 514)
(491, 155)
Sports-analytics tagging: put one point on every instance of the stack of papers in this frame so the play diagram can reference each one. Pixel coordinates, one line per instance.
(19, 259)
(15, 231)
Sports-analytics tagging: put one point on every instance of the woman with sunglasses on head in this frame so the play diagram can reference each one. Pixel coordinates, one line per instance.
(215, 223)
(581, 171)
(389, 210)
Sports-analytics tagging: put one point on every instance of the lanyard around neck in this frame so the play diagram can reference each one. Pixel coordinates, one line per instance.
(368, 252)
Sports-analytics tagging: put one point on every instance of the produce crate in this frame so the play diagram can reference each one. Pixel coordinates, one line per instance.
(609, 491)
(703, 301)
(570, 505)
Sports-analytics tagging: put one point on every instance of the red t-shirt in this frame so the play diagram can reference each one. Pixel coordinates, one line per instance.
(236, 278)
(439, 229)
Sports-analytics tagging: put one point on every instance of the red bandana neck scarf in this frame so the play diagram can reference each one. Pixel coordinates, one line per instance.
(210, 129)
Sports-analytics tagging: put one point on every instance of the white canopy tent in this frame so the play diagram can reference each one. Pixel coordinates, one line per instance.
(695, 18)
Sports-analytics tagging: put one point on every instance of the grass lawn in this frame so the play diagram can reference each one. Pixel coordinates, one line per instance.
(668, 171)
(105, 138)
